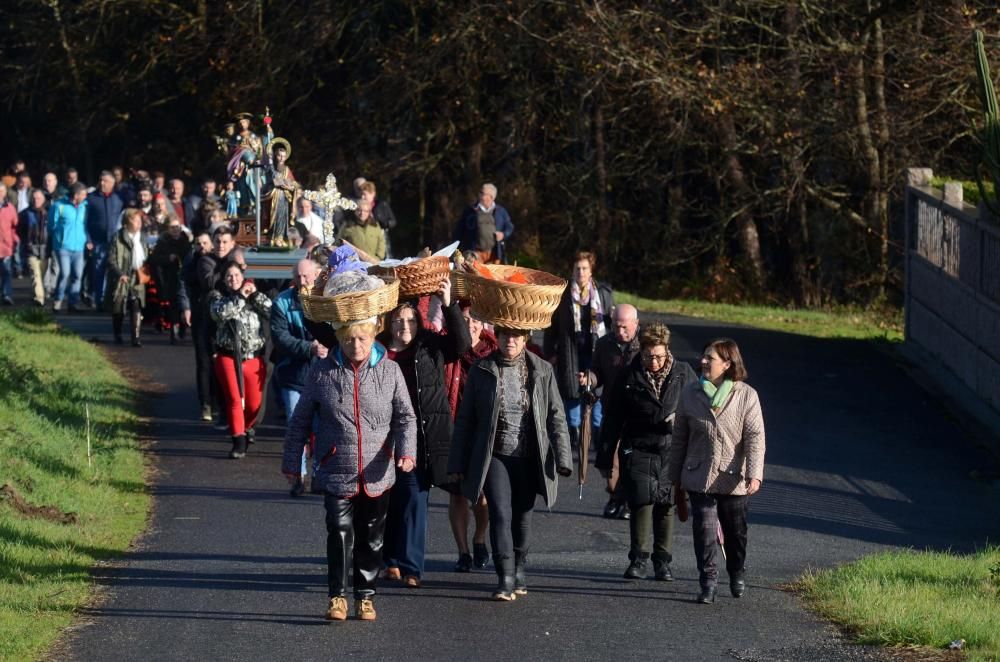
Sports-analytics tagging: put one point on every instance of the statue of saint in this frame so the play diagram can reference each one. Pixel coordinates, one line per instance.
(281, 192)
(246, 150)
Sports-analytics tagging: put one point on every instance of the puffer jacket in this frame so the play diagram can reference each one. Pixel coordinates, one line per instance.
(236, 315)
(717, 452)
(365, 423)
(644, 423)
(476, 426)
(432, 352)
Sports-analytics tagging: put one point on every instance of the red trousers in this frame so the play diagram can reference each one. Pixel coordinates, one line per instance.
(241, 416)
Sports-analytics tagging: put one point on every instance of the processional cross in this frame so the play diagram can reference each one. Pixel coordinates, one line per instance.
(329, 198)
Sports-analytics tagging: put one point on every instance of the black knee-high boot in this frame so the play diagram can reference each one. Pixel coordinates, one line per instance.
(117, 321)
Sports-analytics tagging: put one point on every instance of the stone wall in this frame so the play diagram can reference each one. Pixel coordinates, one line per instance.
(953, 284)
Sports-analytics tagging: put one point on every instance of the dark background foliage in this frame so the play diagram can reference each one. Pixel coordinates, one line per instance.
(739, 150)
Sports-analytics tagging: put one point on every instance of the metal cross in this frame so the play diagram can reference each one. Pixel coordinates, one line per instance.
(329, 198)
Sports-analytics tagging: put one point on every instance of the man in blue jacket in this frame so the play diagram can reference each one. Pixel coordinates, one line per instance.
(68, 233)
(485, 227)
(104, 210)
(294, 347)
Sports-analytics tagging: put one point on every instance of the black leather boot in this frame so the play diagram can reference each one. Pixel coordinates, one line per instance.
(639, 566)
(737, 585)
(505, 577)
(239, 447)
(117, 321)
(661, 568)
(707, 595)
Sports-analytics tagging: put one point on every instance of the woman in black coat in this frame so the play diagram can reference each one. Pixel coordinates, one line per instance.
(583, 316)
(640, 412)
(167, 257)
(422, 355)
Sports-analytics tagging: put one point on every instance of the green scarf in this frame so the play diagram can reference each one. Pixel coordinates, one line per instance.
(717, 394)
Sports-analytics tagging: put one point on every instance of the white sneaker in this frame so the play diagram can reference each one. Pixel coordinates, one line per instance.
(57, 305)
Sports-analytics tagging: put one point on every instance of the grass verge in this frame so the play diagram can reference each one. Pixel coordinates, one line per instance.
(823, 323)
(910, 598)
(59, 515)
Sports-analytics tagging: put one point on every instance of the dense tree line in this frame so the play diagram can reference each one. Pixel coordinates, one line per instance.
(741, 149)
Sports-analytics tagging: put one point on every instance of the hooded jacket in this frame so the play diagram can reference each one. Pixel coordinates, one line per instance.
(364, 424)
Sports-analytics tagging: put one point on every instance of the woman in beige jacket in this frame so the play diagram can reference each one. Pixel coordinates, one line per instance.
(717, 455)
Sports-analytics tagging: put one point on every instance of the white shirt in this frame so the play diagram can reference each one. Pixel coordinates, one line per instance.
(314, 226)
(23, 199)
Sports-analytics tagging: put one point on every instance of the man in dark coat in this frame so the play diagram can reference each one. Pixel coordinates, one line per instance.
(104, 212)
(295, 349)
(613, 353)
(485, 227)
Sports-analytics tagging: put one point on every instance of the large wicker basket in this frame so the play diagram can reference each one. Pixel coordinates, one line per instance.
(417, 278)
(515, 305)
(350, 306)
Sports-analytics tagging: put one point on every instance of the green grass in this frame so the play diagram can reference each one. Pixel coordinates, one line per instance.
(910, 598)
(47, 376)
(841, 322)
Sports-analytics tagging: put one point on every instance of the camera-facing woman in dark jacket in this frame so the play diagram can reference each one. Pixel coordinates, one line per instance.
(422, 356)
(640, 412)
(510, 442)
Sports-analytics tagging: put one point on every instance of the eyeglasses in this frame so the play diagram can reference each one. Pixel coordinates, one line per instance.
(659, 358)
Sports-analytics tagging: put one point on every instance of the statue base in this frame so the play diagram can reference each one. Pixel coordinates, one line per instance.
(272, 264)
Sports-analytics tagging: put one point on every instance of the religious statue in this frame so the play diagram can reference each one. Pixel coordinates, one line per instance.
(246, 151)
(281, 193)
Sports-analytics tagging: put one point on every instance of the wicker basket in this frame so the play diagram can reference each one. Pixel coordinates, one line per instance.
(515, 305)
(460, 284)
(417, 278)
(350, 306)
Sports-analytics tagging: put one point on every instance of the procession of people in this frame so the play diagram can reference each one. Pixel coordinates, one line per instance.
(411, 392)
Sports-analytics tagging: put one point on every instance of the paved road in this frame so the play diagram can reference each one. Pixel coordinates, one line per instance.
(858, 460)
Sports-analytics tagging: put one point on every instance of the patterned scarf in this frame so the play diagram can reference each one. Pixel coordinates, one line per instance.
(658, 378)
(593, 299)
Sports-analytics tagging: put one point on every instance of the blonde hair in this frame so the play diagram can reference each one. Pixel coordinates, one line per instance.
(365, 326)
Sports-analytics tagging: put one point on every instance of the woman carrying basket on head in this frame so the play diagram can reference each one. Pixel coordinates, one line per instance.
(356, 402)
(510, 440)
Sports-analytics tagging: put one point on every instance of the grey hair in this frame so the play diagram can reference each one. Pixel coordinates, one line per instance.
(490, 187)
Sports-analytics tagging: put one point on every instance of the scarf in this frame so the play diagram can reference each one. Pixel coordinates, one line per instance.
(658, 378)
(138, 250)
(717, 394)
(597, 326)
(520, 364)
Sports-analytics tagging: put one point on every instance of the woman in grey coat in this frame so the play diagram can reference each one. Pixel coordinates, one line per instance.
(717, 455)
(365, 430)
(510, 442)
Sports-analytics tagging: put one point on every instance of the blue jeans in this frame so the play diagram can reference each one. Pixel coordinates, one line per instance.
(6, 277)
(290, 399)
(71, 270)
(98, 269)
(574, 411)
(406, 526)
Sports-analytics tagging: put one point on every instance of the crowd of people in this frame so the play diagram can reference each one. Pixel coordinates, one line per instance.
(377, 417)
